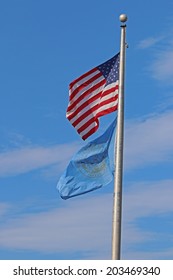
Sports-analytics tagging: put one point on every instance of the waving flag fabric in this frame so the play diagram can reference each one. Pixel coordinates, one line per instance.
(93, 95)
(92, 167)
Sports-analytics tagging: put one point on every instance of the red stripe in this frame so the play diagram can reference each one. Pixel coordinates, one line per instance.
(110, 100)
(84, 105)
(95, 119)
(83, 92)
(87, 124)
(91, 110)
(83, 85)
(92, 130)
(107, 91)
(82, 77)
(86, 114)
(107, 111)
(88, 92)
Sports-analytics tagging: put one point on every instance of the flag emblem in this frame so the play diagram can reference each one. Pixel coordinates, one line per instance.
(92, 95)
(91, 168)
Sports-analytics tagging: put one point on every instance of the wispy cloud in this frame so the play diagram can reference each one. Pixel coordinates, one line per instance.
(149, 198)
(145, 200)
(161, 67)
(149, 42)
(75, 226)
(28, 158)
(84, 225)
(163, 254)
(4, 207)
(161, 63)
(149, 140)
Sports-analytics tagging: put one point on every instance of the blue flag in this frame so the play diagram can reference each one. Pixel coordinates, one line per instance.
(90, 168)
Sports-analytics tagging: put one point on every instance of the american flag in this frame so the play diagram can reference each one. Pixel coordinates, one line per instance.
(92, 95)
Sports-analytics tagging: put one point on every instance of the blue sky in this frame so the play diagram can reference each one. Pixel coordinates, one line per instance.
(44, 46)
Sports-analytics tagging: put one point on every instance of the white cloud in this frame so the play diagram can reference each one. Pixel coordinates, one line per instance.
(161, 67)
(149, 42)
(154, 255)
(149, 141)
(26, 159)
(4, 207)
(149, 198)
(161, 64)
(84, 224)
(142, 200)
(77, 226)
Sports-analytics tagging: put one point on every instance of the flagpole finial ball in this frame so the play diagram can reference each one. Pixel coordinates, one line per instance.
(123, 18)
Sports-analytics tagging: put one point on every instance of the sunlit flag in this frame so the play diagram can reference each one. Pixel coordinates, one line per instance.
(93, 95)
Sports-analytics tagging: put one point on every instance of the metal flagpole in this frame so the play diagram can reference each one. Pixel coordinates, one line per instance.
(117, 196)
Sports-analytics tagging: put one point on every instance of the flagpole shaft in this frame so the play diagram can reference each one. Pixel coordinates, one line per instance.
(117, 196)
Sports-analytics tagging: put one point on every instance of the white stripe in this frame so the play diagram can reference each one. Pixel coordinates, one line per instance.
(100, 109)
(90, 96)
(93, 93)
(91, 105)
(107, 106)
(79, 125)
(111, 94)
(97, 91)
(109, 86)
(75, 86)
(85, 89)
(87, 98)
(108, 96)
(88, 108)
(92, 125)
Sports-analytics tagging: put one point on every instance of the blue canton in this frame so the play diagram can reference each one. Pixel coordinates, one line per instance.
(110, 69)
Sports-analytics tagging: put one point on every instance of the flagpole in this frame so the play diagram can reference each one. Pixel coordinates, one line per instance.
(117, 196)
